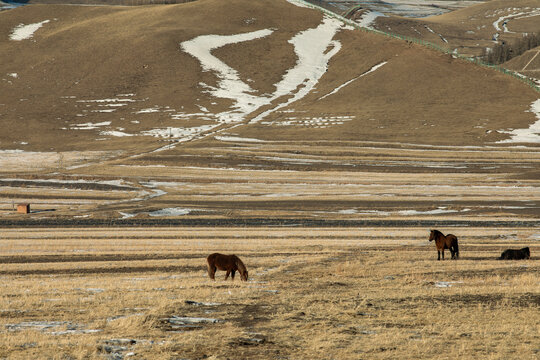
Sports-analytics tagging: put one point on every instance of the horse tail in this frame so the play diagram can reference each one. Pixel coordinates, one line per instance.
(456, 248)
(211, 259)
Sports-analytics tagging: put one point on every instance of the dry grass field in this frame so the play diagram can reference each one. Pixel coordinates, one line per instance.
(320, 293)
(245, 110)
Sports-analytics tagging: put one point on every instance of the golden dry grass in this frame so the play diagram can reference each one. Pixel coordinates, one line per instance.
(312, 294)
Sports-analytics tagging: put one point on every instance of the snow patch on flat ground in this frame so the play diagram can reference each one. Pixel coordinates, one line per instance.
(238, 139)
(50, 326)
(24, 32)
(446, 284)
(170, 212)
(438, 211)
(20, 160)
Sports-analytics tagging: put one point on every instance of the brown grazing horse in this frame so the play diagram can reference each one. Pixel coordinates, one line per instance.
(445, 242)
(229, 263)
(516, 254)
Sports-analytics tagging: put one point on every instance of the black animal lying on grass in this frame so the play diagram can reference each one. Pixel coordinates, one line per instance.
(516, 254)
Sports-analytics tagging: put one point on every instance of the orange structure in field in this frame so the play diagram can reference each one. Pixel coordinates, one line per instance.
(23, 208)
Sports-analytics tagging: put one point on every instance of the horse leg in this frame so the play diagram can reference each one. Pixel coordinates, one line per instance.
(442, 253)
(232, 274)
(211, 272)
(227, 274)
(438, 255)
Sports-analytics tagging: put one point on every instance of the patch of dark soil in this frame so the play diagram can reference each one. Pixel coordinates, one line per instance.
(389, 325)
(507, 271)
(250, 222)
(523, 300)
(37, 259)
(56, 197)
(255, 340)
(252, 315)
(102, 270)
(66, 185)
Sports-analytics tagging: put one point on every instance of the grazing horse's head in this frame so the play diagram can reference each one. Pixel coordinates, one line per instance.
(242, 270)
(244, 275)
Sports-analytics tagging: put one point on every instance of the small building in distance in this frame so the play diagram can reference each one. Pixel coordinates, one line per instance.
(23, 208)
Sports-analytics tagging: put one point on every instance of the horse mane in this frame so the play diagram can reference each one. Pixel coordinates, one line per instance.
(437, 233)
(239, 264)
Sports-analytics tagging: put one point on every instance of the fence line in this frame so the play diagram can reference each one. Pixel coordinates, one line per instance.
(428, 44)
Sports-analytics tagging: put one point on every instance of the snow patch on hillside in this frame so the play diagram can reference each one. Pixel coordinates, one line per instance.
(299, 3)
(180, 134)
(115, 133)
(529, 135)
(368, 18)
(89, 125)
(24, 32)
(313, 47)
(375, 67)
(314, 122)
(230, 85)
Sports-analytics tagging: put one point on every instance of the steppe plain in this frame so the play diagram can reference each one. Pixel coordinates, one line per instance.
(118, 125)
(318, 293)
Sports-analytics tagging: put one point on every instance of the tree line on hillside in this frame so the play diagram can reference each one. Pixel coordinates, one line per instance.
(505, 51)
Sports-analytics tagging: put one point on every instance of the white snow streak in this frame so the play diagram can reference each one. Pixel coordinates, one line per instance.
(183, 134)
(24, 32)
(356, 78)
(238, 139)
(313, 47)
(170, 212)
(230, 86)
(368, 18)
(530, 135)
(115, 133)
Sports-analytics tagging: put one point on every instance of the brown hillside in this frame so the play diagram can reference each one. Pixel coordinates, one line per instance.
(124, 69)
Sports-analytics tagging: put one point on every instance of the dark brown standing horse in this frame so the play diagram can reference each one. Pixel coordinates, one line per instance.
(229, 263)
(445, 242)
